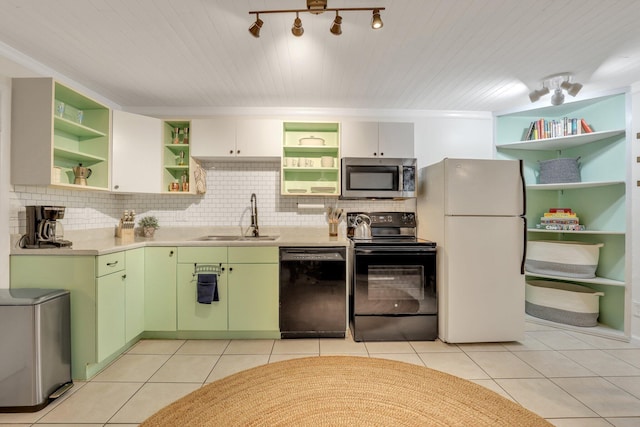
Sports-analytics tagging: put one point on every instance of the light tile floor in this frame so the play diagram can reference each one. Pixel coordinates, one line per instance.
(569, 378)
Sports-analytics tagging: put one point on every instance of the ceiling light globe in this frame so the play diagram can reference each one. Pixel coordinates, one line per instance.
(557, 98)
(376, 21)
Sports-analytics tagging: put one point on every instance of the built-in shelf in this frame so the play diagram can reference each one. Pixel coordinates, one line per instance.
(573, 185)
(77, 156)
(80, 131)
(605, 232)
(562, 142)
(601, 200)
(594, 281)
(600, 330)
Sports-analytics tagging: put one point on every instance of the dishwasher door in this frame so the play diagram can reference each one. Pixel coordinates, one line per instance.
(313, 292)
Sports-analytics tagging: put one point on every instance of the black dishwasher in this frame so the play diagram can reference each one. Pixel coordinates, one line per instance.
(313, 292)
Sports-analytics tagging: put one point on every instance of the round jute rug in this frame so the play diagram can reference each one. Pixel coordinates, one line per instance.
(343, 391)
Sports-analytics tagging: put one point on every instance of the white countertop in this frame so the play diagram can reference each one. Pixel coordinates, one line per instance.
(103, 241)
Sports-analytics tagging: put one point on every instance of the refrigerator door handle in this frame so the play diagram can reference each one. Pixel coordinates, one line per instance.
(524, 244)
(524, 189)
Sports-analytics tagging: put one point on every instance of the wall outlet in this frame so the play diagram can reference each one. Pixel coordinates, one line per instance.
(636, 309)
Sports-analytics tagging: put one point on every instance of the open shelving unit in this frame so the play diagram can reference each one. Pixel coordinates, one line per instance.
(54, 129)
(601, 199)
(177, 160)
(310, 159)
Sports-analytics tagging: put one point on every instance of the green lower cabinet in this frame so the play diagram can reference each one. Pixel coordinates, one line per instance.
(110, 310)
(134, 294)
(193, 316)
(76, 274)
(253, 289)
(253, 297)
(160, 264)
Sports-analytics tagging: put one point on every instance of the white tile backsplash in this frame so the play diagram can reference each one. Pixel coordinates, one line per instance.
(226, 202)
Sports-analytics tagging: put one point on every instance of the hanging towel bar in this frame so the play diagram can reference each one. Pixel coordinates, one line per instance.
(207, 268)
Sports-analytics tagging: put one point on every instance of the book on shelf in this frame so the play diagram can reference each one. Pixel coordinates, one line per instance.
(543, 129)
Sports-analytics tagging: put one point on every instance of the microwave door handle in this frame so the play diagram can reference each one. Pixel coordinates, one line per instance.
(400, 178)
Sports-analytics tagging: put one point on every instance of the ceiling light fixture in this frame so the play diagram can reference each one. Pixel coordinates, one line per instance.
(556, 83)
(297, 29)
(336, 27)
(254, 29)
(317, 7)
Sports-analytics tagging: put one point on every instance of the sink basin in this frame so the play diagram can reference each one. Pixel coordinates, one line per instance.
(218, 238)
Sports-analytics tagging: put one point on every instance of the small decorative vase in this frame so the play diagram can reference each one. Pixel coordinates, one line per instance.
(148, 231)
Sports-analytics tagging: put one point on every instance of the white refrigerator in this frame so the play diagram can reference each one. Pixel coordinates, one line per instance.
(474, 210)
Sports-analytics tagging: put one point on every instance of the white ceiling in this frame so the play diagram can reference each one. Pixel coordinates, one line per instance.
(481, 55)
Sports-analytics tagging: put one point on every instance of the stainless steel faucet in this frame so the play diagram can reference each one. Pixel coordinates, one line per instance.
(254, 215)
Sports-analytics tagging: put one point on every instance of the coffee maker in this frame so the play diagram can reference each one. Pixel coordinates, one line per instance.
(43, 228)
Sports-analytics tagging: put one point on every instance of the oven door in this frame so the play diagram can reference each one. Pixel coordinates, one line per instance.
(394, 280)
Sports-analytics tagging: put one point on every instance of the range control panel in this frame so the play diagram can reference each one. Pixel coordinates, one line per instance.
(385, 219)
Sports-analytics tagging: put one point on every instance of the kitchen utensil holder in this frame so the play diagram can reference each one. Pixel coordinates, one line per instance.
(206, 268)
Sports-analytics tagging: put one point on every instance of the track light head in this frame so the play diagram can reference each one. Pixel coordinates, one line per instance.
(254, 29)
(558, 97)
(571, 88)
(336, 26)
(537, 94)
(376, 21)
(297, 29)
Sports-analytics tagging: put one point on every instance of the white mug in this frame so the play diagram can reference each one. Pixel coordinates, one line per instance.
(326, 161)
(285, 161)
(294, 162)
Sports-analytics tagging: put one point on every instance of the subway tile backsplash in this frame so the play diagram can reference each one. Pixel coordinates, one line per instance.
(226, 202)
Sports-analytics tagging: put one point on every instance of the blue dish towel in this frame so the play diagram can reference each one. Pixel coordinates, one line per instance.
(207, 288)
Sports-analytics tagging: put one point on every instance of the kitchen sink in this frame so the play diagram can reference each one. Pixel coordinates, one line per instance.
(218, 238)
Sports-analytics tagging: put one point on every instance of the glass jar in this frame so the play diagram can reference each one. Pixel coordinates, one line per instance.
(185, 136)
(176, 135)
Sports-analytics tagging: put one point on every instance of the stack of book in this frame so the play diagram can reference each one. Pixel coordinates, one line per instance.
(541, 129)
(560, 219)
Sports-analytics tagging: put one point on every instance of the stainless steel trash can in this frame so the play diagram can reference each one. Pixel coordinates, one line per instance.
(35, 349)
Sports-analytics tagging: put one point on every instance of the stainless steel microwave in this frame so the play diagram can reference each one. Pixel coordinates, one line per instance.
(380, 178)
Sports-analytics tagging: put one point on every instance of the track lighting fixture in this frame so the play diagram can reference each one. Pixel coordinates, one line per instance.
(336, 27)
(317, 7)
(556, 83)
(297, 29)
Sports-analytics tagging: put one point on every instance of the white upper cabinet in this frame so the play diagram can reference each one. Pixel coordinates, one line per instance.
(136, 153)
(236, 138)
(395, 139)
(377, 139)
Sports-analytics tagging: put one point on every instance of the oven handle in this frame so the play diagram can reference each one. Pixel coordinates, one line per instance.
(391, 250)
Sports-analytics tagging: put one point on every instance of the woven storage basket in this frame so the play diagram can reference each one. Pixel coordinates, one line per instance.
(557, 171)
(563, 258)
(562, 302)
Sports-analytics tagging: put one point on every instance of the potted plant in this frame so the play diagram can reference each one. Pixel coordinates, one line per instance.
(148, 224)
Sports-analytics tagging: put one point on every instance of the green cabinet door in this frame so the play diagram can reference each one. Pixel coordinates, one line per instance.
(76, 274)
(193, 316)
(253, 297)
(110, 314)
(160, 288)
(134, 293)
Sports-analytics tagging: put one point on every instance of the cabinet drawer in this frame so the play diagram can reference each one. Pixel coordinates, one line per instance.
(106, 264)
(253, 255)
(214, 255)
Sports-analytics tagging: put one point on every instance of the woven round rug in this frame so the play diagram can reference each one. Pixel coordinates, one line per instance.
(343, 390)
